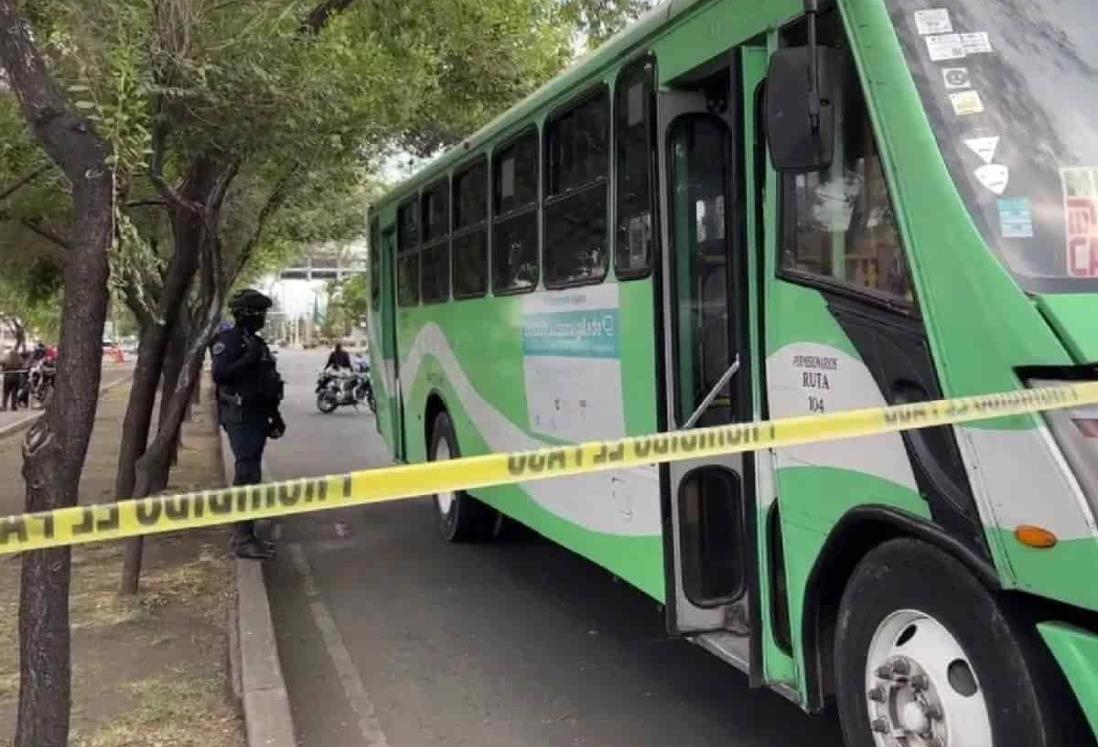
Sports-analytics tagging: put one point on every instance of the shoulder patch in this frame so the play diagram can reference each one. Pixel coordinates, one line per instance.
(218, 348)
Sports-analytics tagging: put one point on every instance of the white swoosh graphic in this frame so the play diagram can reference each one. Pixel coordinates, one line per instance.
(623, 502)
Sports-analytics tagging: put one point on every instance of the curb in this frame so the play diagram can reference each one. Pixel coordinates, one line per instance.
(24, 423)
(257, 670)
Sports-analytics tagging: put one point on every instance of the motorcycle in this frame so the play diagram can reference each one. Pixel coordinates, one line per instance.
(40, 382)
(336, 389)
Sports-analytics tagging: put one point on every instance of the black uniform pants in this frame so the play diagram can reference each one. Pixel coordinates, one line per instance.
(11, 391)
(247, 441)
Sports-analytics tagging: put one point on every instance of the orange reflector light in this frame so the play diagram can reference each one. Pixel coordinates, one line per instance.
(1037, 537)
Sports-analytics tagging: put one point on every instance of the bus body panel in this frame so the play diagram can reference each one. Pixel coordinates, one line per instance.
(510, 385)
(1076, 651)
(981, 328)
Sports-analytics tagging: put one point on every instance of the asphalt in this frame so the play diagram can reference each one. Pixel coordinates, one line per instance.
(390, 636)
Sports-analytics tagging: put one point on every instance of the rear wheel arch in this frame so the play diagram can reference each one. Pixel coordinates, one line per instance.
(856, 534)
(434, 406)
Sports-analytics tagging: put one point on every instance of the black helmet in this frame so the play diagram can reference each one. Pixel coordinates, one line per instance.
(248, 301)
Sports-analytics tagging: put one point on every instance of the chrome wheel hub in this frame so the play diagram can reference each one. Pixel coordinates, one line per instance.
(921, 689)
(445, 500)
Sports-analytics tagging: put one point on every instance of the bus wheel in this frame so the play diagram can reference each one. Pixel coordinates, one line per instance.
(925, 656)
(461, 517)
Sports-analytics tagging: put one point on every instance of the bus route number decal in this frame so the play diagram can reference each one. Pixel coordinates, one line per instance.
(816, 372)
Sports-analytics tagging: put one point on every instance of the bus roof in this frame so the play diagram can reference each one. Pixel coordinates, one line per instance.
(617, 47)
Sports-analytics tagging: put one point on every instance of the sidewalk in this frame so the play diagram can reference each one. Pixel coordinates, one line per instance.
(150, 669)
(113, 374)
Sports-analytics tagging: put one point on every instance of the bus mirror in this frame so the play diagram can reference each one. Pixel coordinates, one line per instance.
(800, 117)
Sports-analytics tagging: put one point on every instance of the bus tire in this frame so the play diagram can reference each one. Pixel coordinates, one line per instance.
(461, 517)
(922, 646)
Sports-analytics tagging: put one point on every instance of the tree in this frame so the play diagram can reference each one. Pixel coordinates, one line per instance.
(34, 203)
(56, 445)
(348, 305)
(30, 290)
(598, 20)
(200, 96)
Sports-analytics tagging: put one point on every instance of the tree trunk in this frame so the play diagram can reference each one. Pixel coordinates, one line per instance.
(56, 445)
(190, 231)
(173, 365)
(153, 468)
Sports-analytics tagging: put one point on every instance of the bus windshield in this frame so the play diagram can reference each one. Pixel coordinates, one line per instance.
(1011, 90)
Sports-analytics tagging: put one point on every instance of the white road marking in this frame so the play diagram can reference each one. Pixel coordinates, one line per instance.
(368, 724)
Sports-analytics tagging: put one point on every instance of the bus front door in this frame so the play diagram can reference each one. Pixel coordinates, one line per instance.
(706, 361)
(395, 411)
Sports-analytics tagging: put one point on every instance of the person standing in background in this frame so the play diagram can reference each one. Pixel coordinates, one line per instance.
(13, 372)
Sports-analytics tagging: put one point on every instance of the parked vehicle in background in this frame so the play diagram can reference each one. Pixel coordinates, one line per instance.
(113, 352)
(40, 382)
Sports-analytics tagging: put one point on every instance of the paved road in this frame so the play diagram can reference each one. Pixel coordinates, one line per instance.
(390, 636)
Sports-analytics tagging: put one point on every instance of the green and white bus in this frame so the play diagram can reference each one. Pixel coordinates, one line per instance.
(740, 210)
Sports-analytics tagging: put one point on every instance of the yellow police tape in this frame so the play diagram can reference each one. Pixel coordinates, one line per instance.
(70, 526)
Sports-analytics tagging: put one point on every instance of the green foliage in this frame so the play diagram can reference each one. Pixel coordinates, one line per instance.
(305, 114)
(42, 200)
(598, 20)
(348, 305)
(30, 296)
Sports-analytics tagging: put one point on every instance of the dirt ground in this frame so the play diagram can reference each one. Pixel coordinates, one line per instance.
(150, 669)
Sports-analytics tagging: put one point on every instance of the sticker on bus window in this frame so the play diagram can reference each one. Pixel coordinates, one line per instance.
(978, 43)
(945, 47)
(1016, 218)
(956, 77)
(933, 21)
(994, 176)
(984, 147)
(1081, 220)
(966, 103)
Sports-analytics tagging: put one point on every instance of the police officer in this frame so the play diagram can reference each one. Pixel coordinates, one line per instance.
(249, 391)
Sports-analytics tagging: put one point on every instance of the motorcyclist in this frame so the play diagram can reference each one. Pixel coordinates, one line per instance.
(339, 363)
(339, 359)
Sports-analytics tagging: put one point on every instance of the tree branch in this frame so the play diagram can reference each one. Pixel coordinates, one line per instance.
(217, 196)
(146, 203)
(156, 166)
(132, 296)
(68, 139)
(275, 201)
(32, 176)
(46, 234)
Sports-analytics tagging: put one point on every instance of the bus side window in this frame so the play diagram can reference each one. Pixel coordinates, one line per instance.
(470, 233)
(576, 204)
(633, 138)
(435, 262)
(408, 253)
(839, 225)
(375, 264)
(515, 222)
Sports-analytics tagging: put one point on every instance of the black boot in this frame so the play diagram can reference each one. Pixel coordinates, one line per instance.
(250, 548)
